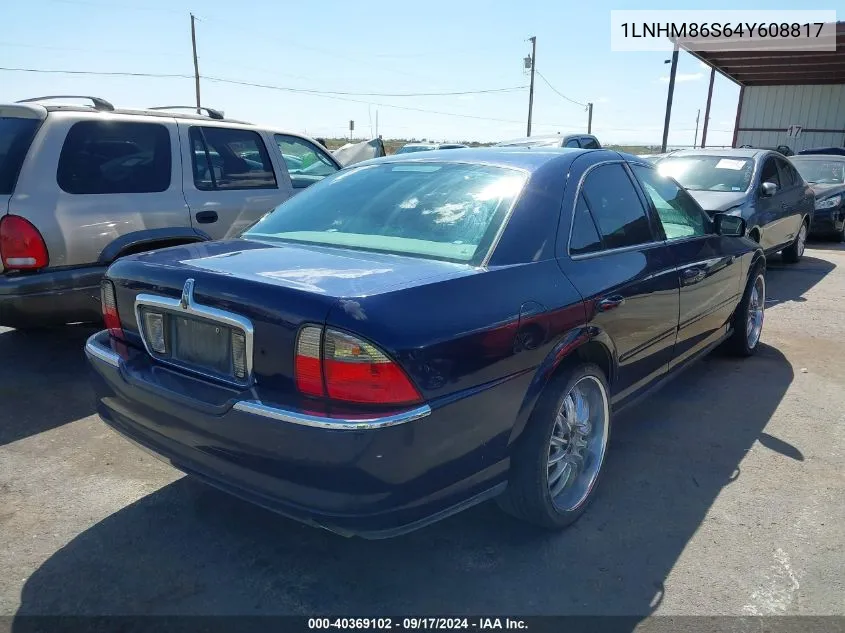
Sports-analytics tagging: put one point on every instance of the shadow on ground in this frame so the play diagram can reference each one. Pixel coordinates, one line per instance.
(790, 282)
(188, 549)
(43, 380)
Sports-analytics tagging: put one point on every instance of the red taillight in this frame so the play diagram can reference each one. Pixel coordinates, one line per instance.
(21, 245)
(352, 369)
(109, 303)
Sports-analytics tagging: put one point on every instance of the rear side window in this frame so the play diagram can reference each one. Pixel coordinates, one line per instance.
(585, 237)
(616, 207)
(588, 142)
(787, 175)
(225, 158)
(573, 142)
(305, 162)
(15, 138)
(115, 157)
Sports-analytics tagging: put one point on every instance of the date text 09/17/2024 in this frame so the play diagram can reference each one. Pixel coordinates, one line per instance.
(420, 623)
(760, 30)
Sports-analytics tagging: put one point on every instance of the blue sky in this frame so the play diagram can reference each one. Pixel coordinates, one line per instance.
(378, 46)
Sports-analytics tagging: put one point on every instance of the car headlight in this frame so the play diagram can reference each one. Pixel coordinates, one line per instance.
(737, 211)
(828, 203)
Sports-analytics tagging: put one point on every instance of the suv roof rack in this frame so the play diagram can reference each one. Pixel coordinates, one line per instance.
(212, 113)
(99, 104)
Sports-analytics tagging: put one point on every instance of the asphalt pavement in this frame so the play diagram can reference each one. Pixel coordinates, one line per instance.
(724, 495)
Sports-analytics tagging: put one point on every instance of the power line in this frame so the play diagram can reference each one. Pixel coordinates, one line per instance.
(268, 86)
(363, 94)
(322, 94)
(560, 94)
(95, 72)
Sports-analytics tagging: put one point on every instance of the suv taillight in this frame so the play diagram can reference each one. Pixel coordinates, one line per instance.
(109, 303)
(21, 245)
(343, 367)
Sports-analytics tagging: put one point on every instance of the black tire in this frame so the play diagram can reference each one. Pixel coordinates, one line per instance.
(738, 344)
(528, 496)
(793, 253)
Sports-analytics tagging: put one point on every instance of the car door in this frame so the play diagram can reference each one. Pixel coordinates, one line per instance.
(229, 179)
(305, 162)
(624, 273)
(792, 199)
(708, 265)
(771, 209)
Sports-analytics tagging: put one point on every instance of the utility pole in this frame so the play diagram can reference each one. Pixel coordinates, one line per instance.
(672, 74)
(589, 118)
(533, 41)
(695, 141)
(196, 63)
(377, 123)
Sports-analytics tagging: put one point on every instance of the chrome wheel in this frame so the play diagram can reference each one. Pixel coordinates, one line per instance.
(577, 444)
(802, 240)
(756, 306)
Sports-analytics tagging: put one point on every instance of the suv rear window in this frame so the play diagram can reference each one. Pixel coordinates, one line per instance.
(115, 157)
(15, 137)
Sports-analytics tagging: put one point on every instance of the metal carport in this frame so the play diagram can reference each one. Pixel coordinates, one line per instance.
(780, 90)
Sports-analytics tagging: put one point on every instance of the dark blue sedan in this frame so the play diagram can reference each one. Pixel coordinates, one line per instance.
(417, 334)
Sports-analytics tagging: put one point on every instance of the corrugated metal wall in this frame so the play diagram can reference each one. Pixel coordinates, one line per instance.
(819, 107)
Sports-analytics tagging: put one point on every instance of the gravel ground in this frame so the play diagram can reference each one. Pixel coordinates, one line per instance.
(724, 495)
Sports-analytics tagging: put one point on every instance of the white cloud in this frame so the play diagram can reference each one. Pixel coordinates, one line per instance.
(602, 100)
(703, 66)
(465, 98)
(683, 77)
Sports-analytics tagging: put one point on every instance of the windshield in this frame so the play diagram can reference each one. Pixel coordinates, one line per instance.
(414, 148)
(821, 172)
(709, 173)
(15, 138)
(445, 211)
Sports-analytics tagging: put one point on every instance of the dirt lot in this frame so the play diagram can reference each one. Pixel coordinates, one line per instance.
(724, 494)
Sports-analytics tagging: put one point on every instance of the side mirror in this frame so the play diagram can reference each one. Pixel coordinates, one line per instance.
(768, 189)
(730, 225)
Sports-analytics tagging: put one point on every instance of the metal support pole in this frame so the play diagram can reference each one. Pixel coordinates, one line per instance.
(671, 94)
(707, 108)
(589, 118)
(695, 138)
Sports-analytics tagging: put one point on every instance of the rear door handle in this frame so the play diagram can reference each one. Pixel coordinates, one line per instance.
(207, 217)
(610, 303)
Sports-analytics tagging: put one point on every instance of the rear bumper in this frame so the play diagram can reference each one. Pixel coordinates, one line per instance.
(51, 297)
(375, 478)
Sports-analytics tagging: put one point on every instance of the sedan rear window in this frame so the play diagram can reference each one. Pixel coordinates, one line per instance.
(438, 210)
(709, 173)
(15, 138)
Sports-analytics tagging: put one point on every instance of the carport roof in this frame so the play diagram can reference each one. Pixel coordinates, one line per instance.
(780, 68)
